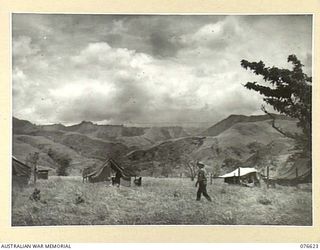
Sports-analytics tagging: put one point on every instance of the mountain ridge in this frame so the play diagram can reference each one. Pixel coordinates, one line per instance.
(162, 151)
(228, 122)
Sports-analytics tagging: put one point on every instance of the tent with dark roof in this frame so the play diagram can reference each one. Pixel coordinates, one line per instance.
(299, 172)
(105, 171)
(21, 173)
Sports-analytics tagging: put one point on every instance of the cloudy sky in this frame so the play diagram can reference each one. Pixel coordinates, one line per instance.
(146, 70)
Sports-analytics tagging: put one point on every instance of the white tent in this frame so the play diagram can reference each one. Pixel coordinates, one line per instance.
(243, 171)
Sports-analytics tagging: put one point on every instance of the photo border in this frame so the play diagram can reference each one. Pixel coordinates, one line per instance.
(172, 233)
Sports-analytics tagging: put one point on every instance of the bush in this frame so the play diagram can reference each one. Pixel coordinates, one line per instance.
(264, 200)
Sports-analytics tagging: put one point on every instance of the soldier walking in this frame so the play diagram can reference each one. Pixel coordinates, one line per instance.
(202, 181)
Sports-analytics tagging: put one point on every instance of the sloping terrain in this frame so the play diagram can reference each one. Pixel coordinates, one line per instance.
(231, 120)
(23, 145)
(93, 148)
(85, 143)
(132, 137)
(22, 126)
(237, 145)
(235, 141)
(164, 133)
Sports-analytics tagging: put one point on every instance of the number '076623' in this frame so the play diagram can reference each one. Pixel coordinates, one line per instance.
(308, 246)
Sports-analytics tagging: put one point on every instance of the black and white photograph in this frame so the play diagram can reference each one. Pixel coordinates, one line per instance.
(161, 119)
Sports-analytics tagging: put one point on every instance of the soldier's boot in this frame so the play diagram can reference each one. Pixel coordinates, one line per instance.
(207, 197)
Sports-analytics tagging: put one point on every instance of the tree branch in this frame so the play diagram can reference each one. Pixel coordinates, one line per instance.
(286, 134)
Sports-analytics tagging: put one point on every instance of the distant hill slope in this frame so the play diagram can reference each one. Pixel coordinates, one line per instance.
(234, 146)
(22, 126)
(164, 133)
(86, 142)
(233, 119)
(23, 145)
(134, 137)
(161, 151)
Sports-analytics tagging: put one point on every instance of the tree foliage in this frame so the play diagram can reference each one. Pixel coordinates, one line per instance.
(189, 164)
(33, 159)
(62, 160)
(289, 93)
(192, 167)
(231, 164)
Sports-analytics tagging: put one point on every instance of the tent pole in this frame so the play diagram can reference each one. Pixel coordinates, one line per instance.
(267, 176)
(297, 175)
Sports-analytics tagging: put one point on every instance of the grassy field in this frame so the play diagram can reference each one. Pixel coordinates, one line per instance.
(160, 202)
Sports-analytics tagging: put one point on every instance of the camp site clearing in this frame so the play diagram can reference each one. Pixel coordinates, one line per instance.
(159, 201)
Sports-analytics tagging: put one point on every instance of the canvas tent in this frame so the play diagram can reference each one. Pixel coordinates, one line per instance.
(241, 175)
(21, 173)
(299, 172)
(105, 171)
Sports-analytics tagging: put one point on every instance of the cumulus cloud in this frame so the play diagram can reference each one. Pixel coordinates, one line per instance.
(22, 47)
(173, 70)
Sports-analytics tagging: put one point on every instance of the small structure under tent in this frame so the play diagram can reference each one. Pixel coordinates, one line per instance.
(242, 176)
(21, 173)
(43, 173)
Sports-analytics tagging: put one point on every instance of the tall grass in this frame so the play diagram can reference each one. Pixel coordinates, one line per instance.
(158, 202)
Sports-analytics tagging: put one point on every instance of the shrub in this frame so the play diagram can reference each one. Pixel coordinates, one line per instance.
(264, 200)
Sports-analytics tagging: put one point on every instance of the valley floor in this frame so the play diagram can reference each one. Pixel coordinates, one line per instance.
(161, 201)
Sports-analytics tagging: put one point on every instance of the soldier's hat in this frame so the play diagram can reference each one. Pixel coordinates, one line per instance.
(200, 164)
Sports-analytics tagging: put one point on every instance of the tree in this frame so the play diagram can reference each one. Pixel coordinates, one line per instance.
(166, 170)
(192, 167)
(289, 94)
(62, 160)
(33, 158)
(189, 164)
(231, 164)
